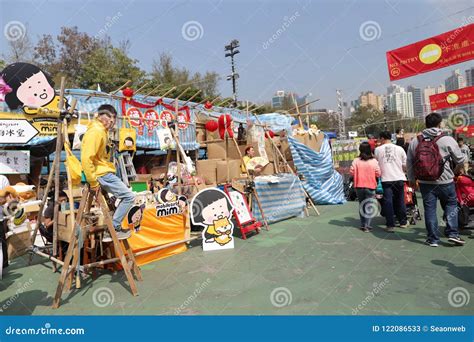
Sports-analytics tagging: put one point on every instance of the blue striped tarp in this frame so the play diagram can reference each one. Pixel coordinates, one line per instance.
(280, 200)
(323, 183)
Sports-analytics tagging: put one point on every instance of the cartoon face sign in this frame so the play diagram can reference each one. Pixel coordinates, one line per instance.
(31, 87)
(128, 142)
(212, 209)
(134, 217)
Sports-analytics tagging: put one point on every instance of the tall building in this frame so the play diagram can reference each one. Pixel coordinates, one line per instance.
(281, 96)
(455, 81)
(400, 101)
(470, 77)
(427, 92)
(417, 100)
(369, 98)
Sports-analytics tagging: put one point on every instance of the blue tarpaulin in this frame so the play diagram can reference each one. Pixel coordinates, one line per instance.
(323, 183)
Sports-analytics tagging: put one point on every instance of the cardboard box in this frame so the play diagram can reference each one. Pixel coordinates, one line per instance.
(65, 229)
(269, 169)
(156, 171)
(144, 177)
(217, 150)
(207, 170)
(285, 149)
(19, 243)
(234, 170)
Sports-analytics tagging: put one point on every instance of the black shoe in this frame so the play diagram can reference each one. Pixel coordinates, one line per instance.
(457, 240)
(431, 244)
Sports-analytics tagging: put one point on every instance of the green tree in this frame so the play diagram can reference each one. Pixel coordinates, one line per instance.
(66, 55)
(110, 67)
(165, 73)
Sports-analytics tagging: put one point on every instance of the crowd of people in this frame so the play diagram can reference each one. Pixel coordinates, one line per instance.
(430, 163)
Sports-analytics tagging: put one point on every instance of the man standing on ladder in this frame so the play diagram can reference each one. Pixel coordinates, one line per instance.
(100, 171)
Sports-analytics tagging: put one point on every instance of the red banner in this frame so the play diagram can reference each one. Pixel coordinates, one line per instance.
(437, 52)
(452, 98)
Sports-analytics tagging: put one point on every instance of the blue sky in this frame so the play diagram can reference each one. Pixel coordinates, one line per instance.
(320, 49)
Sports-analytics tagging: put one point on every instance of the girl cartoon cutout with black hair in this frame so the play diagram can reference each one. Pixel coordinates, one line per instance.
(212, 209)
(31, 88)
(165, 195)
(134, 217)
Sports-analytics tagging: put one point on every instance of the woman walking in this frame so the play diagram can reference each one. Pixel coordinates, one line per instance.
(365, 170)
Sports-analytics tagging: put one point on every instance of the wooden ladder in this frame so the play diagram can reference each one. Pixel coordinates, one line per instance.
(71, 261)
(127, 170)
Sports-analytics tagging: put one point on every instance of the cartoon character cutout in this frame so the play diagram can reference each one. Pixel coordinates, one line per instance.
(165, 195)
(129, 143)
(31, 88)
(212, 209)
(135, 216)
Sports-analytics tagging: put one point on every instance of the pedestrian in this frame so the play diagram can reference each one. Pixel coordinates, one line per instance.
(392, 161)
(365, 170)
(430, 156)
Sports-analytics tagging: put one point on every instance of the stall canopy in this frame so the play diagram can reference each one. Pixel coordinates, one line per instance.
(323, 183)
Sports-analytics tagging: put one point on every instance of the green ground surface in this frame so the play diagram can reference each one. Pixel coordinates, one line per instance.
(302, 266)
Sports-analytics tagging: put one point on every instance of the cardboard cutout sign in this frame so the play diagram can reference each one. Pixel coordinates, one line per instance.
(30, 87)
(241, 207)
(135, 216)
(169, 203)
(212, 209)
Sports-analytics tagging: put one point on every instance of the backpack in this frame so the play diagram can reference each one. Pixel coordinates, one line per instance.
(429, 164)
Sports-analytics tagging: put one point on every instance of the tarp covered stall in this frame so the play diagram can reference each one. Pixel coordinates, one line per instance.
(281, 197)
(323, 183)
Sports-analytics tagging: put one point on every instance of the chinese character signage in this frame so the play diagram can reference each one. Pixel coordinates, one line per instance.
(452, 98)
(14, 162)
(16, 131)
(437, 52)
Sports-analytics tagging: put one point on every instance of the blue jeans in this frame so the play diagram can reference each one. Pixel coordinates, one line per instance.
(368, 206)
(114, 185)
(446, 193)
(394, 202)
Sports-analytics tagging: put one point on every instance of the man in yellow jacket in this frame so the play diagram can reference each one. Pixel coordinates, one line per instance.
(100, 171)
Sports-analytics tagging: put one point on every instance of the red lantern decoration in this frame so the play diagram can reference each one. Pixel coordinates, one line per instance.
(211, 126)
(269, 134)
(208, 105)
(225, 124)
(128, 93)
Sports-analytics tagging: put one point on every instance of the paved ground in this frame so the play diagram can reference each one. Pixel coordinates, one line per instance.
(314, 266)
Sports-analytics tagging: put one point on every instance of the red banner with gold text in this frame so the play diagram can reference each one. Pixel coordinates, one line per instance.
(452, 98)
(437, 52)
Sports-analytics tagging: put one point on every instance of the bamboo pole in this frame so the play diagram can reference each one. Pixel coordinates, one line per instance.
(143, 86)
(152, 91)
(192, 97)
(126, 84)
(168, 92)
(304, 104)
(298, 111)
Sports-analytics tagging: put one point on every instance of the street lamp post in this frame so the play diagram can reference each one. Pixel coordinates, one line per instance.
(232, 48)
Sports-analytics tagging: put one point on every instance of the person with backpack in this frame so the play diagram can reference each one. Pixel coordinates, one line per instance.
(365, 170)
(430, 159)
(392, 160)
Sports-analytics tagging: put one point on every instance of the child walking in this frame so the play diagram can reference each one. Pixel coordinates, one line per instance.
(365, 170)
